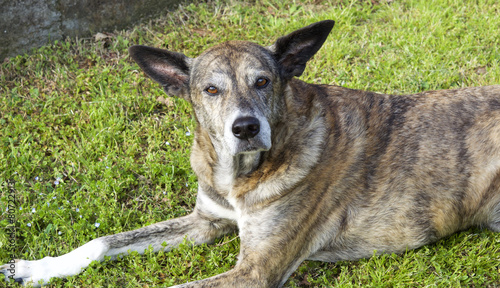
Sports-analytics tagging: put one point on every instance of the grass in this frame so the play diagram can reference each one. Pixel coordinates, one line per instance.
(92, 152)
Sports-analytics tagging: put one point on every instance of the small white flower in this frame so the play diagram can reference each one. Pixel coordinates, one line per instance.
(20, 208)
(33, 210)
(188, 133)
(56, 182)
(36, 178)
(77, 209)
(48, 204)
(167, 143)
(97, 225)
(59, 233)
(164, 192)
(187, 184)
(29, 224)
(80, 216)
(107, 167)
(54, 197)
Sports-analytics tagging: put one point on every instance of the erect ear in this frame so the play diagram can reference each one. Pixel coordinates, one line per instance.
(170, 69)
(295, 49)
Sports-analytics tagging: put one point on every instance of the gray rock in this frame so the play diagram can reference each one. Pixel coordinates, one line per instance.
(27, 24)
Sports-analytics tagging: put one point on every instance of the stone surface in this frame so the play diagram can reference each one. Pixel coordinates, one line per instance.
(30, 24)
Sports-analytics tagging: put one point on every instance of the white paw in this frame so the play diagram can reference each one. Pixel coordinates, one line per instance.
(32, 272)
(28, 272)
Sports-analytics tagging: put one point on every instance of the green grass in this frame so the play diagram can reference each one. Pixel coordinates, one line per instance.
(82, 114)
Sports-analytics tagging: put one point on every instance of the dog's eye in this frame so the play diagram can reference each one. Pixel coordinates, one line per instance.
(212, 90)
(261, 82)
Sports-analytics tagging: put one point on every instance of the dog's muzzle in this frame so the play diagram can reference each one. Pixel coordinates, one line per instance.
(245, 128)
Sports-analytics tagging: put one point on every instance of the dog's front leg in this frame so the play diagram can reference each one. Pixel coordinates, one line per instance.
(235, 278)
(196, 227)
(270, 251)
(264, 270)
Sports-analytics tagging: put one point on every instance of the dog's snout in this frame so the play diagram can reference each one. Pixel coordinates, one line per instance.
(246, 127)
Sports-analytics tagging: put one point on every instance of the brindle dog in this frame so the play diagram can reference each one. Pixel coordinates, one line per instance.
(306, 171)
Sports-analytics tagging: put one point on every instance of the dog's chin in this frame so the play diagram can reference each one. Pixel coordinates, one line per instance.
(250, 146)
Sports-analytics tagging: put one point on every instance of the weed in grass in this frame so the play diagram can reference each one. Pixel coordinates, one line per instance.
(94, 153)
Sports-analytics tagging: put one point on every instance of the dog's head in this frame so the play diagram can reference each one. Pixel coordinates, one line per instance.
(236, 88)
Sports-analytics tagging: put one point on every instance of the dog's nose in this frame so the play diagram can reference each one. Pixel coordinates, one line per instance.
(246, 127)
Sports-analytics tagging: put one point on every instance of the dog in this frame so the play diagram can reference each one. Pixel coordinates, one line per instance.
(306, 171)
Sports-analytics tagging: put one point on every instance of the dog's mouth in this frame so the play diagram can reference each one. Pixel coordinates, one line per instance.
(251, 146)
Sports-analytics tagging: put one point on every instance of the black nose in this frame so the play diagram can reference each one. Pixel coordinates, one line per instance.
(246, 127)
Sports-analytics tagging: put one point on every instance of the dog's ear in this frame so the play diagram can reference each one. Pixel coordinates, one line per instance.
(170, 69)
(295, 49)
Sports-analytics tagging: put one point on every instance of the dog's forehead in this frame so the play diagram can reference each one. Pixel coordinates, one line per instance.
(235, 55)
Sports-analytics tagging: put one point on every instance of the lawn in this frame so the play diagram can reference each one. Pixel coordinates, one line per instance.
(91, 147)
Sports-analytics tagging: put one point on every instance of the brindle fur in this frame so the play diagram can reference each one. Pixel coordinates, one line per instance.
(342, 173)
